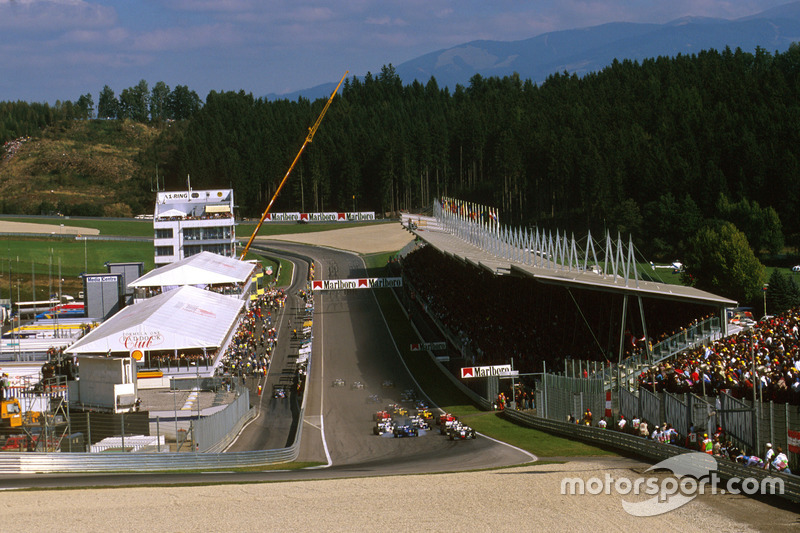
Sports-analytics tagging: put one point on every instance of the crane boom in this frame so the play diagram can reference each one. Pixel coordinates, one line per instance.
(309, 138)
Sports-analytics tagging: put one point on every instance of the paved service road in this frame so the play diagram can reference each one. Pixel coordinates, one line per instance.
(351, 342)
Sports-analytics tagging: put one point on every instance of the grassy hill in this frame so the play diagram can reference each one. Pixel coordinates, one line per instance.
(78, 168)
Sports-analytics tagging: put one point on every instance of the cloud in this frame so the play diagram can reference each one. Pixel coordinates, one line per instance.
(188, 38)
(48, 15)
(386, 21)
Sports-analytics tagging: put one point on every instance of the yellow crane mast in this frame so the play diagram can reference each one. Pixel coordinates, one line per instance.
(310, 137)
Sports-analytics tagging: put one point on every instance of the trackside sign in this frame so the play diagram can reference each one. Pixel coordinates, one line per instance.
(424, 346)
(485, 371)
(360, 283)
(321, 217)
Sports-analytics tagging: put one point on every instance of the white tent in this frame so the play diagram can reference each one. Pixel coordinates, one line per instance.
(177, 320)
(205, 268)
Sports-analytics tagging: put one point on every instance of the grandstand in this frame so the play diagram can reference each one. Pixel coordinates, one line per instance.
(569, 301)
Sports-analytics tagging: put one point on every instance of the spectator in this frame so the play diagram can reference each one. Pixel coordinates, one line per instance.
(769, 456)
(781, 462)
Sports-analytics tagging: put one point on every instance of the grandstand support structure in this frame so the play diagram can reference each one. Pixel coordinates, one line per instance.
(472, 233)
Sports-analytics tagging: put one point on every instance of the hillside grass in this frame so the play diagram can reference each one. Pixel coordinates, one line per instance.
(76, 162)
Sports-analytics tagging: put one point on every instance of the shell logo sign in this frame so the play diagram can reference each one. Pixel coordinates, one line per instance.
(137, 355)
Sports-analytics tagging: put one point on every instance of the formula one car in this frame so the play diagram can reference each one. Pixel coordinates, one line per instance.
(382, 415)
(357, 385)
(446, 422)
(408, 395)
(406, 430)
(422, 404)
(446, 417)
(425, 415)
(383, 426)
(373, 398)
(397, 409)
(459, 431)
(388, 384)
(419, 422)
(338, 382)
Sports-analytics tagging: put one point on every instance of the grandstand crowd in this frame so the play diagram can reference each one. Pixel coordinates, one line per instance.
(500, 317)
(486, 312)
(727, 364)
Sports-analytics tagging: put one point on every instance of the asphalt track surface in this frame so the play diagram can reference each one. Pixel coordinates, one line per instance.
(351, 342)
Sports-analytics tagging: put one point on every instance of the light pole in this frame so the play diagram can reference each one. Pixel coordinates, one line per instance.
(764, 290)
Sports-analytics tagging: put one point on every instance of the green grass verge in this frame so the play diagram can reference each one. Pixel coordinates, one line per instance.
(537, 442)
(286, 267)
(450, 398)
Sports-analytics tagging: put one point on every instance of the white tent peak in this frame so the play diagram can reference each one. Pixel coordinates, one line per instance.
(205, 268)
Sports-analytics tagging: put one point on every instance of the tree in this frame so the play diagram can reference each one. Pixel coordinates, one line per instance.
(84, 107)
(782, 294)
(134, 102)
(719, 259)
(158, 101)
(107, 105)
(182, 103)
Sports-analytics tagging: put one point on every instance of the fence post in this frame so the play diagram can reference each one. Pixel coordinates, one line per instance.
(771, 421)
(89, 431)
(158, 433)
(122, 424)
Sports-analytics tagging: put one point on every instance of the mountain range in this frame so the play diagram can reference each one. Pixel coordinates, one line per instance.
(585, 50)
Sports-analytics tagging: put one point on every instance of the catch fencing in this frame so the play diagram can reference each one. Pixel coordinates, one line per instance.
(608, 438)
(561, 397)
(737, 418)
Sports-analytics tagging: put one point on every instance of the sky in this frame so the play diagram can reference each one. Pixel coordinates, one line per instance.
(60, 49)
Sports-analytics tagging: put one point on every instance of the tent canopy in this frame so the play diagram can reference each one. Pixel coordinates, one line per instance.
(205, 268)
(182, 319)
(171, 213)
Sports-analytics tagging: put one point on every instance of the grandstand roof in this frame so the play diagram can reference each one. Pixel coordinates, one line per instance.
(176, 320)
(455, 247)
(205, 268)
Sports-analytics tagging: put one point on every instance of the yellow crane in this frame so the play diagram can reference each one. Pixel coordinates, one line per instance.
(310, 137)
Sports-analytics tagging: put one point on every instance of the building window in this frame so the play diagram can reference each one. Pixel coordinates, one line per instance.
(164, 233)
(189, 251)
(164, 250)
(206, 234)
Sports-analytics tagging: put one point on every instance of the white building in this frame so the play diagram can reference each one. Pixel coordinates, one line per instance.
(189, 222)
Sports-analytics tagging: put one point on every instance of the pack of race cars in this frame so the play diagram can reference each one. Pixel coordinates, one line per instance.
(397, 421)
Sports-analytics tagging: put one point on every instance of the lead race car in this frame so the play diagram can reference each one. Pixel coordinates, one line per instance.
(459, 431)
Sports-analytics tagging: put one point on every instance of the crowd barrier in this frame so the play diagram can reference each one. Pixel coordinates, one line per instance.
(656, 451)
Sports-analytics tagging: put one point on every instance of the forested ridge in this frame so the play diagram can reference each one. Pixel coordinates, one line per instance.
(652, 149)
